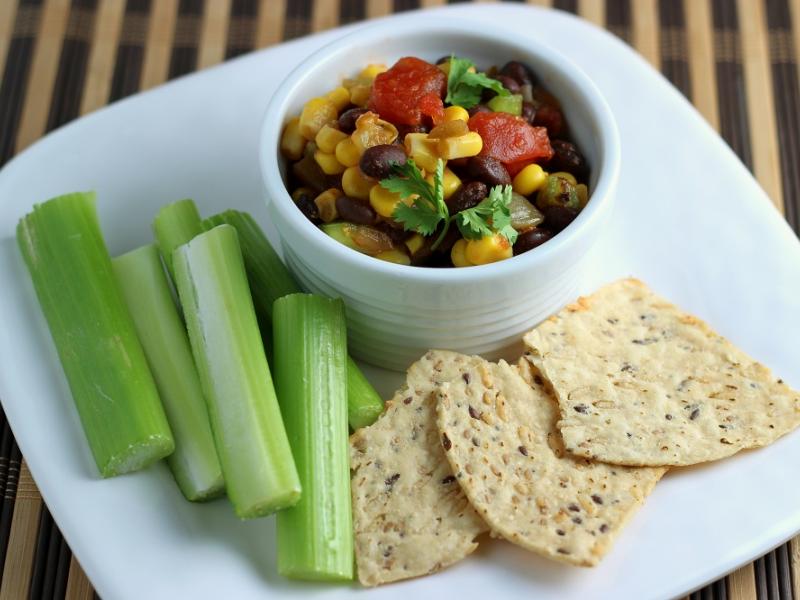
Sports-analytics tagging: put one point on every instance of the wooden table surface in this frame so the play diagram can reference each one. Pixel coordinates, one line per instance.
(738, 61)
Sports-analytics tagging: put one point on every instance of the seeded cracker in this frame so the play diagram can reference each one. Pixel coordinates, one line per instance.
(500, 438)
(409, 514)
(639, 382)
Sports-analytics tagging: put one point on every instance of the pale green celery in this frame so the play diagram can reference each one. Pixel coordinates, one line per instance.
(94, 334)
(174, 225)
(364, 405)
(256, 458)
(144, 286)
(315, 537)
(269, 280)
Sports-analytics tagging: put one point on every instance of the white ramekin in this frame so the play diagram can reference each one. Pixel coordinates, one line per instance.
(395, 313)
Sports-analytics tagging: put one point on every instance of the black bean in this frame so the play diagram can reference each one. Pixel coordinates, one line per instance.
(528, 240)
(307, 206)
(404, 130)
(478, 108)
(523, 450)
(597, 499)
(347, 120)
(488, 170)
(528, 111)
(468, 195)
(567, 157)
(443, 249)
(459, 166)
(390, 481)
(355, 211)
(442, 59)
(394, 231)
(518, 71)
(581, 408)
(509, 83)
(377, 161)
(449, 479)
(558, 217)
(474, 413)
(551, 118)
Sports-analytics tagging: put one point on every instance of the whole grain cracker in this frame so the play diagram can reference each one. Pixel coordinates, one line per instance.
(410, 517)
(498, 430)
(640, 382)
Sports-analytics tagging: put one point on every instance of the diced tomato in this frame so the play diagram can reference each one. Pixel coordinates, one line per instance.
(411, 90)
(510, 139)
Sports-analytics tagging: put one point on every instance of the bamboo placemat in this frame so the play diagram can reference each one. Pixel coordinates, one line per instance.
(738, 61)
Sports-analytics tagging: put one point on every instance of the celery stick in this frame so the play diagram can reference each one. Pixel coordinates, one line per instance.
(174, 225)
(364, 405)
(315, 537)
(269, 280)
(251, 441)
(94, 334)
(145, 288)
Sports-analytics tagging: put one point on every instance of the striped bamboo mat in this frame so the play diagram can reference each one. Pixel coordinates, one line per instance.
(738, 61)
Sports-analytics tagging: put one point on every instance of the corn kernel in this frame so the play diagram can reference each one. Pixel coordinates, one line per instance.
(347, 153)
(567, 176)
(394, 256)
(359, 94)
(292, 143)
(340, 97)
(456, 113)
(383, 201)
(583, 194)
(445, 67)
(316, 113)
(300, 192)
(372, 71)
(414, 243)
(448, 129)
(328, 137)
(326, 204)
(529, 180)
(488, 249)
(328, 163)
(469, 144)
(450, 182)
(458, 254)
(421, 150)
(372, 131)
(355, 184)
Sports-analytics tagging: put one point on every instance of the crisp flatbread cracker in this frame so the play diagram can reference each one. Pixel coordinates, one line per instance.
(500, 437)
(409, 514)
(639, 382)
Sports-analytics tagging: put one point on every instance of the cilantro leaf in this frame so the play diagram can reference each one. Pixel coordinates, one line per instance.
(492, 215)
(428, 208)
(464, 88)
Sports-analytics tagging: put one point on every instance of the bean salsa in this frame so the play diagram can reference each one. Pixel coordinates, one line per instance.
(436, 165)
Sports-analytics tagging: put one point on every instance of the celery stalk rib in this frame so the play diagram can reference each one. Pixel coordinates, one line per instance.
(144, 286)
(364, 405)
(94, 334)
(251, 441)
(269, 280)
(315, 537)
(174, 225)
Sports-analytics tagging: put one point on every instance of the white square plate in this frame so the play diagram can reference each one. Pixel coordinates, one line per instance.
(690, 221)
